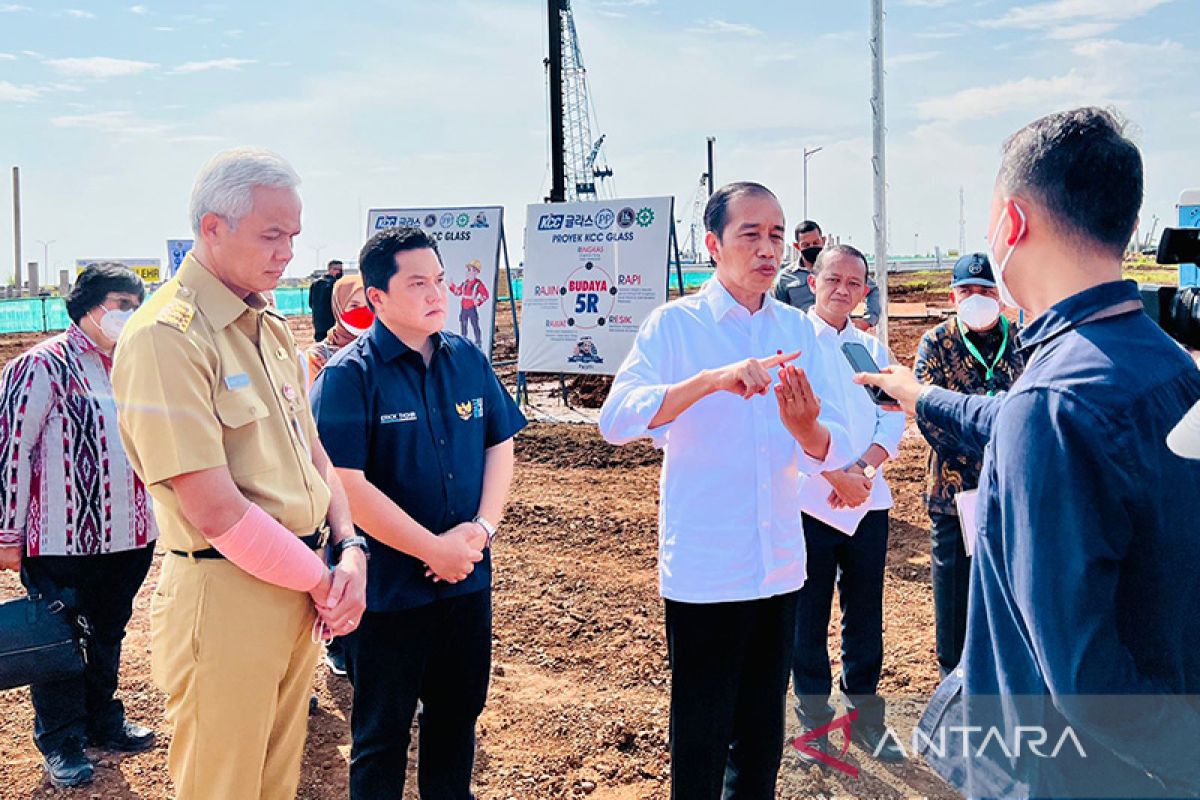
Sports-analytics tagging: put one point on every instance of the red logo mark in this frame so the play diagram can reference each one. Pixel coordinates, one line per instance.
(841, 723)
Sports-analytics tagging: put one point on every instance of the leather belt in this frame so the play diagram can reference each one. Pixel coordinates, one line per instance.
(312, 541)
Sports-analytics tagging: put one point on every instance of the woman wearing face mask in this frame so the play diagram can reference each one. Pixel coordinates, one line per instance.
(973, 352)
(352, 319)
(74, 516)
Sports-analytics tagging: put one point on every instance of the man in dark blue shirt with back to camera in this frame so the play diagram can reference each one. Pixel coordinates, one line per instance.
(1081, 667)
(420, 431)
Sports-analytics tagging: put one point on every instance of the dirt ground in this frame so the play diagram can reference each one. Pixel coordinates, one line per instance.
(578, 702)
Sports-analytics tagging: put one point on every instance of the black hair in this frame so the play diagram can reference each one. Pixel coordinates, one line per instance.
(334, 263)
(377, 261)
(1080, 166)
(833, 251)
(95, 283)
(807, 226)
(716, 213)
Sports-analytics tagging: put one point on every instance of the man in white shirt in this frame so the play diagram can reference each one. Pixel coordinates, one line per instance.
(845, 523)
(731, 550)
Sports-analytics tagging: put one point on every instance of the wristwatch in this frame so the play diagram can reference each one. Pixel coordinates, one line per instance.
(488, 527)
(869, 471)
(352, 541)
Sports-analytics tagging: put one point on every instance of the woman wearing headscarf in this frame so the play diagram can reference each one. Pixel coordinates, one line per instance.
(351, 316)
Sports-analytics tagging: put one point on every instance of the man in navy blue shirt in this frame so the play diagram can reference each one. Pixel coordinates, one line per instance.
(1082, 650)
(421, 433)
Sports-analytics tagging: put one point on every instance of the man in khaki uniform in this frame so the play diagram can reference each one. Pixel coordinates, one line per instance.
(215, 419)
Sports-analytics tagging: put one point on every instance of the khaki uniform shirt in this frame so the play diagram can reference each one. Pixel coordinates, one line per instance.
(205, 379)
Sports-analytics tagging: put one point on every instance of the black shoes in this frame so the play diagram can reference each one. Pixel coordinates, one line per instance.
(128, 738)
(68, 766)
(879, 743)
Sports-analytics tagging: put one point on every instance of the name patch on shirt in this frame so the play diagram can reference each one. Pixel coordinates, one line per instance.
(399, 416)
(470, 409)
(239, 381)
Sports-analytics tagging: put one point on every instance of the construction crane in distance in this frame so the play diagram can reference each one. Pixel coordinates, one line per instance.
(573, 151)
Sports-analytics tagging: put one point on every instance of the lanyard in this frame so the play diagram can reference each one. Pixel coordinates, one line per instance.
(974, 351)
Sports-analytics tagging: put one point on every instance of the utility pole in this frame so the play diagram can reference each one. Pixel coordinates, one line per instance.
(16, 181)
(807, 155)
(878, 160)
(962, 223)
(712, 178)
(558, 170)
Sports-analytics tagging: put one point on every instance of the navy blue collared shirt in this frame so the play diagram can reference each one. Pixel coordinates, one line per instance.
(419, 435)
(1084, 604)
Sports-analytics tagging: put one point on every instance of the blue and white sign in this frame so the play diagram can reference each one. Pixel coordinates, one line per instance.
(176, 250)
(1189, 217)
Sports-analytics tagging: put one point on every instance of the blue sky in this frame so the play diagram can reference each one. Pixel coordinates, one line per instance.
(111, 108)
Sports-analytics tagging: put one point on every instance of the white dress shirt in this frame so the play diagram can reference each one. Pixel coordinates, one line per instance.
(867, 423)
(729, 514)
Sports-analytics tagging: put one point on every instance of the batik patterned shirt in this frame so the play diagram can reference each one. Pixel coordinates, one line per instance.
(66, 485)
(943, 359)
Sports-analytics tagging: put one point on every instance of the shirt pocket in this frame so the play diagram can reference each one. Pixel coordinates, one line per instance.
(241, 413)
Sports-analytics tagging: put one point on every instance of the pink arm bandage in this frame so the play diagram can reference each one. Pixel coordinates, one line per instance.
(270, 552)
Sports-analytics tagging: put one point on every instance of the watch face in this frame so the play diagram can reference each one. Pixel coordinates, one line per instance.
(869, 471)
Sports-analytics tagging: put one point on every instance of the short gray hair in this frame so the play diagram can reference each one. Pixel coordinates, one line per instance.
(224, 185)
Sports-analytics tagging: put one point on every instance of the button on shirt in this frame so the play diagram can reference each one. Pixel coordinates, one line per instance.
(1086, 576)
(204, 378)
(419, 434)
(866, 423)
(729, 515)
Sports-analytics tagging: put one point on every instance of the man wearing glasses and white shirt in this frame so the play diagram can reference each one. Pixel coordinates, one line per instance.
(731, 552)
(845, 525)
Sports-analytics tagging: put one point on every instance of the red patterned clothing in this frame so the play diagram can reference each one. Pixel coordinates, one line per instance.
(66, 485)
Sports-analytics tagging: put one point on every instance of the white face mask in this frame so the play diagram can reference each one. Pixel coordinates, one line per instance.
(1184, 440)
(979, 312)
(113, 322)
(1005, 293)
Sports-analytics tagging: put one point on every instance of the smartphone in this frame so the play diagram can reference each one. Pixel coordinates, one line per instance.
(860, 359)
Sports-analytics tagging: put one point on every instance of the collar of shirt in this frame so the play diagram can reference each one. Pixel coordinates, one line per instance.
(389, 345)
(823, 328)
(720, 302)
(220, 305)
(1074, 311)
(79, 341)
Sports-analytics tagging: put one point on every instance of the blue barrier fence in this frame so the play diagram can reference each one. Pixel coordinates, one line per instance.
(46, 314)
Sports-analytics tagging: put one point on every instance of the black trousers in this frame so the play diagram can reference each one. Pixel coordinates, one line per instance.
(439, 654)
(729, 672)
(950, 569)
(855, 564)
(104, 587)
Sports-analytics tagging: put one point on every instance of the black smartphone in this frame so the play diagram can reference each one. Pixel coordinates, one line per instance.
(860, 359)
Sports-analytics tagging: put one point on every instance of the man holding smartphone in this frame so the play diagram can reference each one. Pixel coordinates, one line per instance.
(845, 518)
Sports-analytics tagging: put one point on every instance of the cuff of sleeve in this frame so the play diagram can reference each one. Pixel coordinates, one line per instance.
(933, 405)
(640, 407)
(12, 538)
(892, 448)
(839, 454)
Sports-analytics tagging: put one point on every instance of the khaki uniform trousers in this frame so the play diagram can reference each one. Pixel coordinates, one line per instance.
(235, 657)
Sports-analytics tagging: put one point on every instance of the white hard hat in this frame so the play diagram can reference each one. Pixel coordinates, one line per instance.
(1184, 441)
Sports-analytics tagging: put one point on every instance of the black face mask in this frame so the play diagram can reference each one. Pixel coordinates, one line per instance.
(810, 253)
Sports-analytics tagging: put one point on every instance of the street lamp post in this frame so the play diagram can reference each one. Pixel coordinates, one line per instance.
(46, 254)
(807, 155)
